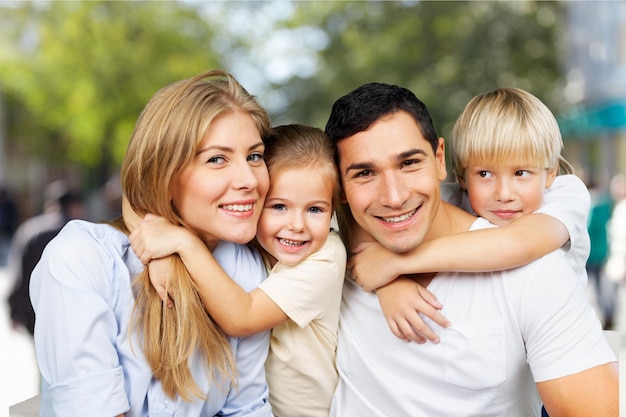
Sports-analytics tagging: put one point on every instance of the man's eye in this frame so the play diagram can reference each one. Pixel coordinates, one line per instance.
(410, 162)
(364, 173)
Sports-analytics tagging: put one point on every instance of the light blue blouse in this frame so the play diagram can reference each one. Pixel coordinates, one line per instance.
(81, 293)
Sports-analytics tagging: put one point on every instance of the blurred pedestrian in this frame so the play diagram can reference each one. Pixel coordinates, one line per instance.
(61, 205)
(616, 231)
(599, 215)
(8, 222)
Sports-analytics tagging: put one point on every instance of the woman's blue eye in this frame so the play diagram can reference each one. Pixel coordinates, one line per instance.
(255, 157)
(216, 159)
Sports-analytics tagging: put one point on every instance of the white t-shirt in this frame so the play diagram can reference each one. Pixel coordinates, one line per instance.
(300, 366)
(567, 200)
(509, 330)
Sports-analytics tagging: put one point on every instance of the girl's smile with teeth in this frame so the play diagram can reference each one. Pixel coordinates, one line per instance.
(288, 242)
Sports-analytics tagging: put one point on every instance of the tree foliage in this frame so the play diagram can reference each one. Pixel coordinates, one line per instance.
(76, 74)
(84, 70)
(446, 52)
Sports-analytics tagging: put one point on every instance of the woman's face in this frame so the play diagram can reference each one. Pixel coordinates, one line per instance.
(220, 194)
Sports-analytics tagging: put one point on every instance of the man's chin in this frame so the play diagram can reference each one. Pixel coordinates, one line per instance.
(398, 245)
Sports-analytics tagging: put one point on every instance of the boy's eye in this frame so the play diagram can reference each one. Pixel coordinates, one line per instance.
(522, 173)
(484, 174)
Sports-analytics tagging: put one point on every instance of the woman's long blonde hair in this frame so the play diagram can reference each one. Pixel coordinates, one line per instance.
(166, 138)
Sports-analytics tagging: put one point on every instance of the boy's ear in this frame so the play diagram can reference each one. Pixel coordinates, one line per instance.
(461, 180)
(551, 175)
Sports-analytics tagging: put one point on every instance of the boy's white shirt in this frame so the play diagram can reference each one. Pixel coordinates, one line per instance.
(567, 200)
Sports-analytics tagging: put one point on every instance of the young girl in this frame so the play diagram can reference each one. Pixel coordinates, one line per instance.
(300, 299)
(505, 152)
(105, 345)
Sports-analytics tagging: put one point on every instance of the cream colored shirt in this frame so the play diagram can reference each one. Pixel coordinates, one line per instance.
(300, 367)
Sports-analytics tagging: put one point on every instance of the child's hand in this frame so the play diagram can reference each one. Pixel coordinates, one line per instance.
(402, 301)
(153, 241)
(159, 271)
(371, 266)
(155, 237)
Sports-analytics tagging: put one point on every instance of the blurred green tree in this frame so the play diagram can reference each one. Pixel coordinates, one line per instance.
(444, 51)
(77, 74)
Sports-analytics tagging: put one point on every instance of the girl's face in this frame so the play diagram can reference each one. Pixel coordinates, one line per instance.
(296, 218)
(504, 193)
(220, 193)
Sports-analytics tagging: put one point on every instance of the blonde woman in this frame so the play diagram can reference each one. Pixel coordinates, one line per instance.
(106, 345)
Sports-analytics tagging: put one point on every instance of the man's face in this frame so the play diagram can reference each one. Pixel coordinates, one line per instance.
(391, 181)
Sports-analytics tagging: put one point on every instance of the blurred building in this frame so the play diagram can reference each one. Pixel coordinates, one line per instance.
(594, 126)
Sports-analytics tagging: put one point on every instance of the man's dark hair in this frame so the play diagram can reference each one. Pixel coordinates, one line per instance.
(359, 109)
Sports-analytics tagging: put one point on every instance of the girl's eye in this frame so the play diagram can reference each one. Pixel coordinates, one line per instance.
(255, 157)
(280, 207)
(315, 210)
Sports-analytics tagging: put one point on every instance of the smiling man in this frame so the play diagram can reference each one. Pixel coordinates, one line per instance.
(518, 338)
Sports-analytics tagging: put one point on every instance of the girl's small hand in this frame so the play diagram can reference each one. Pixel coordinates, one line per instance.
(159, 270)
(155, 237)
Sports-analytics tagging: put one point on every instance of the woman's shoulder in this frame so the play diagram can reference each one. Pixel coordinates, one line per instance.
(241, 262)
(80, 240)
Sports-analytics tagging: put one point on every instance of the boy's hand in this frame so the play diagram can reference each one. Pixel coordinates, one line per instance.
(402, 301)
(372, 266)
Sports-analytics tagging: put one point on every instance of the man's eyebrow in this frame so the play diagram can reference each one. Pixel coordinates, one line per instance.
(411, 152)
(359, 167)
(367, 165)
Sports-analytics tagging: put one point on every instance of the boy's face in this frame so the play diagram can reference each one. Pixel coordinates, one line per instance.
(391, 177)
(506, 192)
(296, 217)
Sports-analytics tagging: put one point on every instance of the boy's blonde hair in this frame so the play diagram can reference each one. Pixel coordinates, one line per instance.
(503, 125)
(166, 138)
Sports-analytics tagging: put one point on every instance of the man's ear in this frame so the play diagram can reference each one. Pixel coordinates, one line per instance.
(342, 196)
(440, 156)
